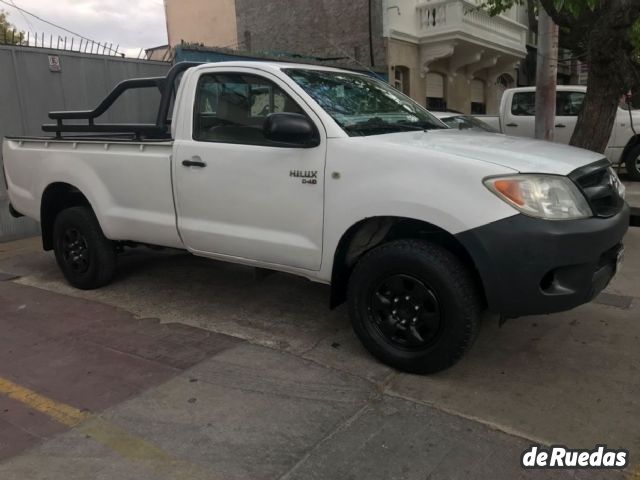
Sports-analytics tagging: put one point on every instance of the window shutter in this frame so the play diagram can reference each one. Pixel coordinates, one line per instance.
(477, 91)
(435, 85)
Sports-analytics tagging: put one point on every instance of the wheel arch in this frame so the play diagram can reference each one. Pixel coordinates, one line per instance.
(631, 144)
(370, 232)
(57, 197)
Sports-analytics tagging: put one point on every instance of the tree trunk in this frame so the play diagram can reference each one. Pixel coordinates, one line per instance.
(598, 114)
(611, 60)
(546, 77)
(607, 48)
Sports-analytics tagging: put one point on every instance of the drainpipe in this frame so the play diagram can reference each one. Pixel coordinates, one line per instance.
(372, 58)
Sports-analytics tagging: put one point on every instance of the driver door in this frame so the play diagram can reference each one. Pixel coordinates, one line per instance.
(239, 195)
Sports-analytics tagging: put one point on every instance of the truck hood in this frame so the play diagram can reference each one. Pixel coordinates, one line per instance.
(521, 154)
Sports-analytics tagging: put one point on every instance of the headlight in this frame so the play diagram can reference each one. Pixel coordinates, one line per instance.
(550, 197)
(616, 183)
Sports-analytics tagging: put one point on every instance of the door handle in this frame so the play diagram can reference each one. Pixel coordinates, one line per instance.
(560, 125)
(512, 124)
(194, 162)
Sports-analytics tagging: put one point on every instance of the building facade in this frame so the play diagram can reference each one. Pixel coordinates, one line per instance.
(339, 31)
(206, 22)
(446, 54)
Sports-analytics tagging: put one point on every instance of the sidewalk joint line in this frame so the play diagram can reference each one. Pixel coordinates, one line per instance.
(128, 446)
(339, 428)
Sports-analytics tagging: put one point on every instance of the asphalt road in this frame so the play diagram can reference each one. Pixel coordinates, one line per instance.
(189, 368)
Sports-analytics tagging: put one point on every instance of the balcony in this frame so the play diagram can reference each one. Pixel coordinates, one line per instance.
(429, 21)
(439, 18)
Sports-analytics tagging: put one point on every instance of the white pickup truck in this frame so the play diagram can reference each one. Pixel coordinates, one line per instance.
(517, 118)
(337, 177)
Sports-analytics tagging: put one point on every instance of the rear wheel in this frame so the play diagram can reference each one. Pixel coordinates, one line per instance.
(85, 256)
(414, 305)
(632, 162)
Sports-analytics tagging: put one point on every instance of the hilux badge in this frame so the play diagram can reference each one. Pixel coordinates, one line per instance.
(308, 176)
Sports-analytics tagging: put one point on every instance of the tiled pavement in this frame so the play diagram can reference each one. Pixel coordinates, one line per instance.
(85, 354)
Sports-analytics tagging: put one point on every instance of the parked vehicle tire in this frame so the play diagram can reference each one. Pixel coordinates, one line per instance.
(85, 256)
(414, 305)
(632, 163)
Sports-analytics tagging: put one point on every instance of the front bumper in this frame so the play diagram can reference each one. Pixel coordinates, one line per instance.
(531, 266)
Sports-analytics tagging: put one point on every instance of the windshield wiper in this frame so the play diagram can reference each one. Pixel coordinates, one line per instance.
(383, 126)
(419, 125)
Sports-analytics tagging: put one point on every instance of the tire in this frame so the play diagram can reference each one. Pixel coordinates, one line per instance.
(85, 256)
(438, 287)
(632, 163)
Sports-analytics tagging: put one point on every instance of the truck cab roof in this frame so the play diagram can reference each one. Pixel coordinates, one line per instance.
(559, 88)
(269, 65)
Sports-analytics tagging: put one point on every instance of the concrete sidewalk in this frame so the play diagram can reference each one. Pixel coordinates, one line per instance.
(632, 194)
(251, 412)
(83, 354)
(286, 391)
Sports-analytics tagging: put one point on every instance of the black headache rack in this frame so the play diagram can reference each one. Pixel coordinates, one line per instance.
(160, 130)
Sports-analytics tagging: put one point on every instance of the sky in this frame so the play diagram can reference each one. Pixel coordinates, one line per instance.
(134, 24)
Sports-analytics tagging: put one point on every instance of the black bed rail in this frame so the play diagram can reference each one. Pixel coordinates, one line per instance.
(162, 127)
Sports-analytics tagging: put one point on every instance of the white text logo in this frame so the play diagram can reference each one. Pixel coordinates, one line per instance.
(559, 456)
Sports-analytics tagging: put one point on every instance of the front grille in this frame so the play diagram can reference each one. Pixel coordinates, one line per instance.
(600, 187)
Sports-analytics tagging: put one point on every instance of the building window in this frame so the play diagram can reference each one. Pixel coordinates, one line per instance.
(478, 104)
(401, 79)
(435, 92)
(503, 82)
(478, 108)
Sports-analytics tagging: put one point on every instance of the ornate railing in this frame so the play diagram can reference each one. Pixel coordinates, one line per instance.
(439, 16)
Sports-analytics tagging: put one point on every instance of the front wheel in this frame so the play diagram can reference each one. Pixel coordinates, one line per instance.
(632, 162)
(414, 305)
(85, 256)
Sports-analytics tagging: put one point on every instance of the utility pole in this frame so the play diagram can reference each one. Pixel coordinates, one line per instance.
(546, 76)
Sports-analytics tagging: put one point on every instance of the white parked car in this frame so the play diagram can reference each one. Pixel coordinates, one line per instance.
(517, 118)
(336, 177)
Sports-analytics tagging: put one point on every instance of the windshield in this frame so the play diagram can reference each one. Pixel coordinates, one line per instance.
(362, 105)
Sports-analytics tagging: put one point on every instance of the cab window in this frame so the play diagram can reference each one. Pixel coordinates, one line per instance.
(232, 107)
(523, 104)
(568, 104)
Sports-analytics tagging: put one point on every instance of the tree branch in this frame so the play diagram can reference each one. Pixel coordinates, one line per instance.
(561, 18)
(531, 14)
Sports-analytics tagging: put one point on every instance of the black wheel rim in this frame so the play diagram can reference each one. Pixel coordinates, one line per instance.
(405, 312)
(75, 250)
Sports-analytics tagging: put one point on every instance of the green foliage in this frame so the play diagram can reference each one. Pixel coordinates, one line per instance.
(496, 7)
(574, 7)
(635, 37)
(8, 33)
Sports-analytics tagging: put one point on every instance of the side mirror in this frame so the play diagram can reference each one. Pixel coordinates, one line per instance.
(291, 130)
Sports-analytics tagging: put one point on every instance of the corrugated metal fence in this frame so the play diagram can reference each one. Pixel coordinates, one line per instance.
(29, 89)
